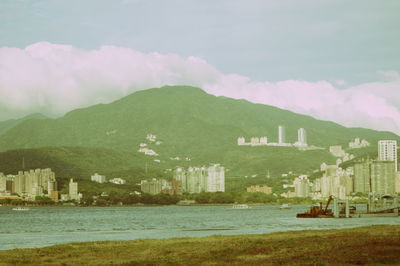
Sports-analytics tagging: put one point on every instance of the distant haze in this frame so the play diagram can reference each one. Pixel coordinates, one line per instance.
(54, 79)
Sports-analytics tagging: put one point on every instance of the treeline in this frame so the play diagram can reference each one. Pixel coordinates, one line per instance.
(115, 198)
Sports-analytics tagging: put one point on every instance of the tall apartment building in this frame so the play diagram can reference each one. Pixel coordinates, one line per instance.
(201, 179)
(196, 179)
(387, 151)
(361, 181)
(301, 186)
(152, 187)
(378, 177)
(3, 183)
(281, 134)
(302, 137)
(383, 177)
(32, 183)
(215, 178)
(73, 190)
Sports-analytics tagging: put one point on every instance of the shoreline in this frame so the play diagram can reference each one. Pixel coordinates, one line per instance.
(360, 245)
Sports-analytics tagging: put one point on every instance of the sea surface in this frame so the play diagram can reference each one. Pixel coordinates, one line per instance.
(45, 226)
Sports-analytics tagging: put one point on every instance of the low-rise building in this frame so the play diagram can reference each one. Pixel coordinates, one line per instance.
(117, 181)
(262, 189)
(98, 178)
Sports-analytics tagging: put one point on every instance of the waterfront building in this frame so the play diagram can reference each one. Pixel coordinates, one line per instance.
(301, 137)
(383, 177)
(29, 184)
(180, 176)
(301, 186)
(98, 178)
(362, 176)
(52, 190)
(387, 151)
(397, 183)
(201, 179)
(262, 189)
(281, 134)
(215, 179)
(73, 190)
(196, 179)
(153, 186)
(3, 183)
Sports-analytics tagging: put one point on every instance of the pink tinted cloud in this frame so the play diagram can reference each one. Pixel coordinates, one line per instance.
(58, 78)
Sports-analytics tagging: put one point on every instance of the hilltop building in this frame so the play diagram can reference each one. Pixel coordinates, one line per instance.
(281, 134)
(301, 137)
(337, 151)
(117, 181)
(357, 144)
(301, 142)
(387, 151)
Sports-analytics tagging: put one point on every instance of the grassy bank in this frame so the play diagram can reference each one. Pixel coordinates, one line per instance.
(364, 245)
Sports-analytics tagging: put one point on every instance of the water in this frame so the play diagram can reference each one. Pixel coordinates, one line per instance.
(44, 226)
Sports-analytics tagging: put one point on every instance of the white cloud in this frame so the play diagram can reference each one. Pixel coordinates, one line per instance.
(57, 78)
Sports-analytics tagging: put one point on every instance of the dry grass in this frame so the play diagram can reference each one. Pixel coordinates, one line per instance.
(365, 245)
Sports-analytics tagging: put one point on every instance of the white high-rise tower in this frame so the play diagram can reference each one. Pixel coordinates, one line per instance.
(302, 137)
(281, 134)
(387, 151)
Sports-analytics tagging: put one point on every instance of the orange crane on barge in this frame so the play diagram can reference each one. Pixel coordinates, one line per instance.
(318, 211)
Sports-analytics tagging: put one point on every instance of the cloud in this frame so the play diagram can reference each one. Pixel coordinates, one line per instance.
(54, 79)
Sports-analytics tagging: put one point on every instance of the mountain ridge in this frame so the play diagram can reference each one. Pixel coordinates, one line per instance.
(190, 123)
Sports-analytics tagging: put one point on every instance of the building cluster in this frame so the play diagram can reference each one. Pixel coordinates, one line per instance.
(143, 147)
(157, 186)
(380, 177)
(357, 143)
(201, 179)
(102, 179)
(342, 155)
(263, 141)
(263, 189)
(73, 193)
(30, 184)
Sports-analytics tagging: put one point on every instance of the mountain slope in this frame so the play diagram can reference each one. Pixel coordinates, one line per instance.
(5, 125)
(190, 123)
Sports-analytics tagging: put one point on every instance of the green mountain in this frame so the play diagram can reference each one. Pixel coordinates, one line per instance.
(5, 125)
(190, 123)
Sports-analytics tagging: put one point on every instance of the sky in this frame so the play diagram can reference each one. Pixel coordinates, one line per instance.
(335, 60)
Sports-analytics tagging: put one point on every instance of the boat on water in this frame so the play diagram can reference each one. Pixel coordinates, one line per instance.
(285, 206)
(240, 206)
(20, 209)
(317, 211)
